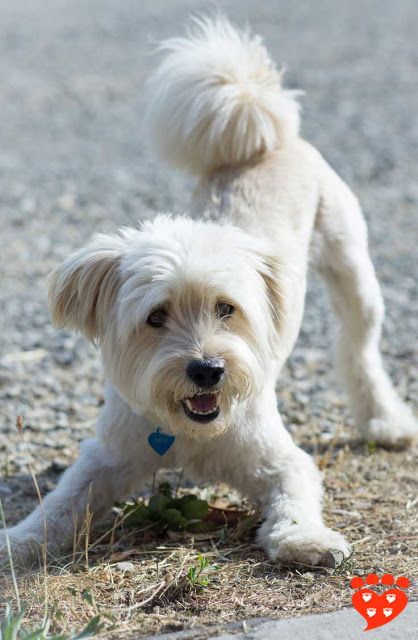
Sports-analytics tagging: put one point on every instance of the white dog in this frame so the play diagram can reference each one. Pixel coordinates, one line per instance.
(195, 318)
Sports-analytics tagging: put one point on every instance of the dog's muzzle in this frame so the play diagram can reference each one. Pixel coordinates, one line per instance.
(205, 373)
(202, 407)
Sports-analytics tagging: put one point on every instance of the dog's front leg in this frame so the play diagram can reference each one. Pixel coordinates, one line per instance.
(293, 530)
(108, 469)
(285, 481)
(86, 490)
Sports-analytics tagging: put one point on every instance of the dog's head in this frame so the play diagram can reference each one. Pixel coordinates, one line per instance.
(187, 314)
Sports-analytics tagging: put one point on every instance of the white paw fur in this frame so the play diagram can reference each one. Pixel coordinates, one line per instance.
(395, 429)
(311, 546)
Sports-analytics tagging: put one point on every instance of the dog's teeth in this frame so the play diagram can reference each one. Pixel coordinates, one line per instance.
(203, 413)
(197, 412)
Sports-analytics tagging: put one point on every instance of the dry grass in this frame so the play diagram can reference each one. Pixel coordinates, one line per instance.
(371, 496)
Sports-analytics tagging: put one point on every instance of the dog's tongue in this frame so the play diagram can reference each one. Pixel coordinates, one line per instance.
(204, 402)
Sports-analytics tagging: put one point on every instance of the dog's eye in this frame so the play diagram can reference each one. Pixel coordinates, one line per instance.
(224, 310)
(157, 318)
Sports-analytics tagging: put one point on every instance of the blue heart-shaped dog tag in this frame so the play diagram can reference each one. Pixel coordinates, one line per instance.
(160, 442)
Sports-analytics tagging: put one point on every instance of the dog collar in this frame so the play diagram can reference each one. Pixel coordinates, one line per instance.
(160, 441)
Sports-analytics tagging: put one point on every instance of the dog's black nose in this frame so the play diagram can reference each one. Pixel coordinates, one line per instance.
(206, 373)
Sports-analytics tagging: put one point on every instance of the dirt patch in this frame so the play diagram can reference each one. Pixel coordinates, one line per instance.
(141, 583)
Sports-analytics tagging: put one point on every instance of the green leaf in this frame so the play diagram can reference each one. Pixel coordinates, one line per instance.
(175, 503)
(195, 509)
(157, 504)
(138, 515)
(172, 516)
(187, 498)
(191, 574)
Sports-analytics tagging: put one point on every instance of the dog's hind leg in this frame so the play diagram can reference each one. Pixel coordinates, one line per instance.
(341, 252)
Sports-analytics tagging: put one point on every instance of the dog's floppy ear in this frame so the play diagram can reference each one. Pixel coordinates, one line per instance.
(83, 289)
(271, 272)
(274, 285)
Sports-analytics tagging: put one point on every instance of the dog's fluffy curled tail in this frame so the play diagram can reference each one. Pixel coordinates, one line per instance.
(216, 99)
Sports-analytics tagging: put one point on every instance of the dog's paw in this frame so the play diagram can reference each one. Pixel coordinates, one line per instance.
(396, 430)
(311, 546)
(22, 553)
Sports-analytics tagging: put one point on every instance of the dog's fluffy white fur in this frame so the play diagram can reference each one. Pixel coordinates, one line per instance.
(229, 284)
(225, 82)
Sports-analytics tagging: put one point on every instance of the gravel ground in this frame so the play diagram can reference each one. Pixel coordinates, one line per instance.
(73, 161)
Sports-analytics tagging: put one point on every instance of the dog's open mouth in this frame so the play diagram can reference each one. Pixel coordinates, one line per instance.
(203, 407)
